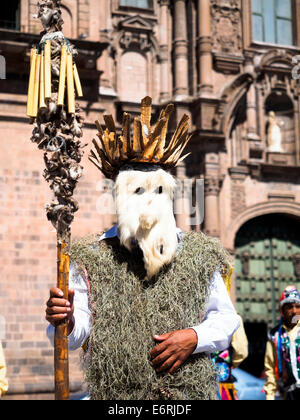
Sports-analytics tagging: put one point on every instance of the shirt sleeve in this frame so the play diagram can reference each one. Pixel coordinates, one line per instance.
(3, 380)
(221, 321)
(270, 384)
(82, 312)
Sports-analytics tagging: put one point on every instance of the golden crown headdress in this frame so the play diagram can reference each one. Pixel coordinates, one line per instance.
(111, 151)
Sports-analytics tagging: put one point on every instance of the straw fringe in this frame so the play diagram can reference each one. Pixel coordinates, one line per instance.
(128, 311)
(146, 146)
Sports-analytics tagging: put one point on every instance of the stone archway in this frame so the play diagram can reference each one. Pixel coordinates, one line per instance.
(267, 255)
(266, 250)
(230, 97)
(261, 209)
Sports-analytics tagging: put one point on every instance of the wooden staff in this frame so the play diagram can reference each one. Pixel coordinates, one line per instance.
(61, 364)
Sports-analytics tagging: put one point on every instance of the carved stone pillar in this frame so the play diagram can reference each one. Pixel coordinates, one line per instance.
(251, 103)
(105, 63)
(180, 50)
(182, 205)
(164, 50)
(211, 216)
(204, 47)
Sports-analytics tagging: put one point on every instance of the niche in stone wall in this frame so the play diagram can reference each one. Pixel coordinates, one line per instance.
(279, 128)
(133, 77)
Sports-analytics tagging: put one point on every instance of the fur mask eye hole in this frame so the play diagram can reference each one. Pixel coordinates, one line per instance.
(161, 250)
(159, 190)
(139, 191)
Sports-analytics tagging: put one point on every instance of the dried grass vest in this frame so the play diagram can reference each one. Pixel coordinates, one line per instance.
(128, 311)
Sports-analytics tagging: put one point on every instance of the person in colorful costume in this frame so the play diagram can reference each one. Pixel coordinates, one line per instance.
(226, 361)
(282, 358)
(150, 303)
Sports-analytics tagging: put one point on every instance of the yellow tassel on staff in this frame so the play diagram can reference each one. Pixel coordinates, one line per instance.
(42, 83)
(70, 81)
(35, 106)
(48, 70)
(31, 82)
(62, 76)
(77, 82)
(32, 52)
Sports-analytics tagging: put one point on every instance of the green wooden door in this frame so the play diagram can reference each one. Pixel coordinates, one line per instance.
(267, 260)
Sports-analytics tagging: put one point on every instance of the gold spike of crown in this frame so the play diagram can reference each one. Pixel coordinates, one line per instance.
(111, 152)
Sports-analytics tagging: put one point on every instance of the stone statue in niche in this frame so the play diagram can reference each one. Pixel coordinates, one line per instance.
(274, 133)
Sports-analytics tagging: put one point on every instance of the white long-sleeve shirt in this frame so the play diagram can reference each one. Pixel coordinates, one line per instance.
(214, 332)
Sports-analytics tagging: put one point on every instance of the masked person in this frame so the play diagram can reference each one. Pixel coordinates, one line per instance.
(282, 358)
(150, 302)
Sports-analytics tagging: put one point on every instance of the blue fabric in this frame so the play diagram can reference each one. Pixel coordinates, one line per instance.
(279, 349)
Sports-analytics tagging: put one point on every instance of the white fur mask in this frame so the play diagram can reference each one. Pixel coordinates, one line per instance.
(144, 204)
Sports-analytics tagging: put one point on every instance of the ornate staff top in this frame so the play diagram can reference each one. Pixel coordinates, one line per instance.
(56, 116)
(50, 15)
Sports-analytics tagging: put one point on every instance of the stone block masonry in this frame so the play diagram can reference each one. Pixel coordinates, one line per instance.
(28, 257)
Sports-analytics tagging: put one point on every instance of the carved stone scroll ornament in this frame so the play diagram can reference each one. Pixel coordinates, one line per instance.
(135, 40)
(212, 185)
(227, 26)
(136, 33)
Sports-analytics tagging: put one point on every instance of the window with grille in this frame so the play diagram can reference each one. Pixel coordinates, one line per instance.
(10, 15)
(272, 21)
(141, 4)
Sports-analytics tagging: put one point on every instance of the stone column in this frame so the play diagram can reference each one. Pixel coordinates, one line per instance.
(251, 102)
(211, 216)
(204, 47)
(105, 63)
(164, 50)
(182, 204)
(24, 13)
(181, 89)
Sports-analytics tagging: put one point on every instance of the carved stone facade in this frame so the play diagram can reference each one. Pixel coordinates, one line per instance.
(199, 54)
(227, 26)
